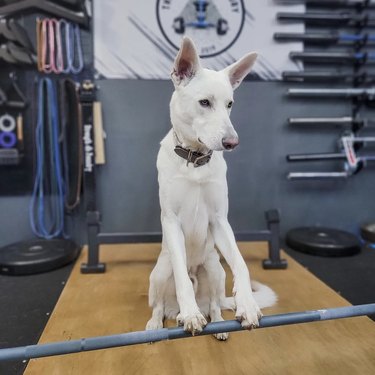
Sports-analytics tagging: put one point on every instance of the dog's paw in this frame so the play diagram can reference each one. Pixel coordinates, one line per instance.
(248, 313)
(193, 323)
(222, 336)
(154, 324)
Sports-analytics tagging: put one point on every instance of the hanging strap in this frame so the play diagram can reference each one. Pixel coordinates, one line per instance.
(39, 43)
(74, 48)
(71, 142)
(87, 96)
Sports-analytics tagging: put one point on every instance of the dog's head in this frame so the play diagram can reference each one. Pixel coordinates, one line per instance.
(203, 98)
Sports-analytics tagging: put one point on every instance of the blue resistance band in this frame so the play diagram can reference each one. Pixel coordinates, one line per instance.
(73, 44)
(47, 207)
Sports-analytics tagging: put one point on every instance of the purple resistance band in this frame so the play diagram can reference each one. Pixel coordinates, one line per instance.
(7, 140)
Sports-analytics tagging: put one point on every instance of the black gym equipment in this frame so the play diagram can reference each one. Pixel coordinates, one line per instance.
(347, 121)
(10, 30)
(365, 95)
(325, 39)
(93, 216)
(36, 256)
(14, 97)
(328, 76)
(326, 156)
(352, 152)
(334, 57)
(10, 156)
(359, 4)
(329, 19)
(321, 241)
(62, 8)
(368, 232)
(71, 142)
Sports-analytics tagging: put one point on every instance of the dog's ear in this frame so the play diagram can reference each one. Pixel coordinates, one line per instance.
(186, 63)
(240, 69)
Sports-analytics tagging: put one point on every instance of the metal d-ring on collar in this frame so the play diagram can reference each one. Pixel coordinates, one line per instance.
(198, 159)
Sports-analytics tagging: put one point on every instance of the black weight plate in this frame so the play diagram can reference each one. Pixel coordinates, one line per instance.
(326, 242)
(368, 232)
(35, 256)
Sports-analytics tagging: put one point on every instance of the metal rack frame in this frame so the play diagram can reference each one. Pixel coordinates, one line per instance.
(93, 215)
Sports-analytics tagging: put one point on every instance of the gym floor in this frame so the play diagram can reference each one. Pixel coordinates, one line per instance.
(27, 301)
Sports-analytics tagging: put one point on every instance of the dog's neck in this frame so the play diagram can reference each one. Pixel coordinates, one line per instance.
(195, 153)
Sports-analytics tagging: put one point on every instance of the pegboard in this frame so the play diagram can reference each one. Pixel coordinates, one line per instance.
(17, 173)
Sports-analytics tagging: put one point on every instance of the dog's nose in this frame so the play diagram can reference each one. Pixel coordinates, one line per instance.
(230, 143)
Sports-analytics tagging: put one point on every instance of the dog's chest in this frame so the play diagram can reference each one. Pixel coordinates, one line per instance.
(193, 195)
(194, 212)
(194, 202)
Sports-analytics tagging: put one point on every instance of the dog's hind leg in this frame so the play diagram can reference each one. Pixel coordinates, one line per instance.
(160, 276)
(216, 286)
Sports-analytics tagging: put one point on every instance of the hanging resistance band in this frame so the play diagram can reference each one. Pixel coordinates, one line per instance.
(73, 48)
(71, 138)
(47, 201)
(59, 46)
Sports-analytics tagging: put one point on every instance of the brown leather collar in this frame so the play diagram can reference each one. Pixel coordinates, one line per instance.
(197, 158)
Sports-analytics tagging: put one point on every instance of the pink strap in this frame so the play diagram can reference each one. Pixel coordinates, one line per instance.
(51, 39)
(51, 46)
(59, 68)
(46, 67)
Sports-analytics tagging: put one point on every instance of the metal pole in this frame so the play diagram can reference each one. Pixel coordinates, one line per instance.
(329, 19)
(331, 3)
(316, 156)
(325, 38)
(317, 175)
(327, 76)
(325, 92)
(141, 337)
(333, 57)
(343, 121)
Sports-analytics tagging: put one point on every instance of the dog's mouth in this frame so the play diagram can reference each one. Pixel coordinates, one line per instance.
(203, 144)
(214, 149)
(222, 147)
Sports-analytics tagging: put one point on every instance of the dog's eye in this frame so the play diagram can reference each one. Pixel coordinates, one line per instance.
(204, 103)
(230, 104)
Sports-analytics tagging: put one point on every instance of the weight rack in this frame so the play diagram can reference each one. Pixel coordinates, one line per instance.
(93, 215)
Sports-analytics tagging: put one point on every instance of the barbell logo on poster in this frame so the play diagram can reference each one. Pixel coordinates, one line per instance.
(213, 25)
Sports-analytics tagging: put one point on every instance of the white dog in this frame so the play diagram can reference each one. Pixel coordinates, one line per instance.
(188, 281)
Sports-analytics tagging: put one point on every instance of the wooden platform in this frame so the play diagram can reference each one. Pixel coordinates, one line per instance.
(116, 302)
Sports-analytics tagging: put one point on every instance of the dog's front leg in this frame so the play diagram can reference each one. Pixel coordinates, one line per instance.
(247, 310)
(189, 315)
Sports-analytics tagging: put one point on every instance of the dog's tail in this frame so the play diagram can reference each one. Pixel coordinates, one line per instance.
(264, 296)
